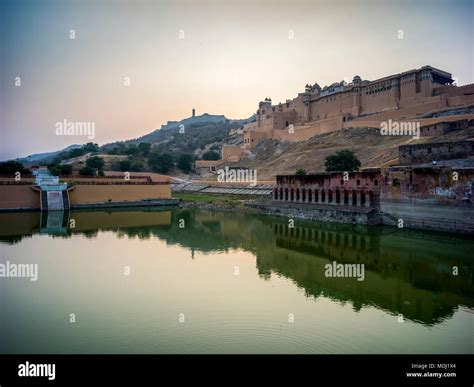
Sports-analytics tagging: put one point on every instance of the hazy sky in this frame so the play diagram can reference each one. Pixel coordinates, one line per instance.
(219, 57)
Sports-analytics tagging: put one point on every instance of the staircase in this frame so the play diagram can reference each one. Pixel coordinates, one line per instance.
(54, 196)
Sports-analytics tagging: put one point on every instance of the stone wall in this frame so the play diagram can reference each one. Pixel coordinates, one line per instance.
(19, 196)
(23, 196)
(231, 153)
(320, 213)
(426, 153)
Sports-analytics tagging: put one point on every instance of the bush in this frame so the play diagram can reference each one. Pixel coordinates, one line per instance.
(86, 171)
(144, 148)
(137, 167)
(60, 169)
(12, 166)
(185, 163)
(210, 155)
(160, 163)
(95, 163)
(124, 165)
(344, 160)
(300, 172)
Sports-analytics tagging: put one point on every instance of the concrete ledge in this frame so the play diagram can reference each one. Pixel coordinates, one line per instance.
(141, 203)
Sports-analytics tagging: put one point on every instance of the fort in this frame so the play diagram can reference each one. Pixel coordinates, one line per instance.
(426, 95)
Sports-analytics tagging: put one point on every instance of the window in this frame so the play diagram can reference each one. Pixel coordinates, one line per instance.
(358, 182)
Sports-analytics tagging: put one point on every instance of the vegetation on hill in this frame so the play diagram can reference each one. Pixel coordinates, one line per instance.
(94, 167)
(13, 166)
(60, 169)
(194, 139)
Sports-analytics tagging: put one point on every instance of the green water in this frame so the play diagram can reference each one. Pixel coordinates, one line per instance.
(191, 281)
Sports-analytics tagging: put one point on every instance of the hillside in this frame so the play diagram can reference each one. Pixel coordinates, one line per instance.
(271, 158)
(200, 134)
(192, 135)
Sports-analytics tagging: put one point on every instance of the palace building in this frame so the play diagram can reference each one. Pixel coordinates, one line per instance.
(412, 94)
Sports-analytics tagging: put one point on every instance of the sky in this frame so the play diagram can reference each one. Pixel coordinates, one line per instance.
(134, 65)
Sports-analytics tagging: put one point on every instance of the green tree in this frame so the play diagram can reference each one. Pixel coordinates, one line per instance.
(76, 152)
(95, 163)
(86, 171)
(344, 160)
(12, 166)
(144, 148)
(132, 150)
(300, 172)
(185, 162)
(211, 155)
(124, 165)
(60, 169)
(137, 167)
(160, 163)
(90, 147)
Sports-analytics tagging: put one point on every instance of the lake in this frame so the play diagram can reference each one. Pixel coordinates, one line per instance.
(193, 281)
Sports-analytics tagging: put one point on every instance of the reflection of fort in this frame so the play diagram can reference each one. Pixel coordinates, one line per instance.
(405, 272)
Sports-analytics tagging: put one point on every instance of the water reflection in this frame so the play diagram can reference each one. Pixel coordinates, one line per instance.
(406, 272)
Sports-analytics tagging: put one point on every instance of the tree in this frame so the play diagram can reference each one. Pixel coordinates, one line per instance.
(90, 147)
(12, 166)
(137, 167)
(76, 152)
(86, 171)
(132, 150)
(211, 155)
(124, 165)
(144, 148)
(344, 160)
(300, 172)
(185, 162)
(65, 169)
(60, 169)
(95, 163)
(160, 163)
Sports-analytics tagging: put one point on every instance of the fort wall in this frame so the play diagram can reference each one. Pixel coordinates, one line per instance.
(401, 96)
